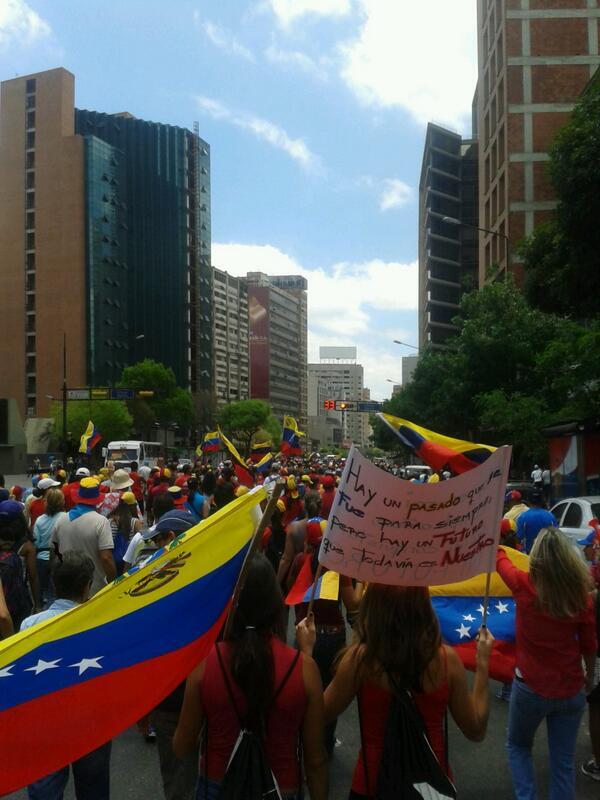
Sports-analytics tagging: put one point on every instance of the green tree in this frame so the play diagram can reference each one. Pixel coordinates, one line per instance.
(243, 419)
(111, 418)
(170, 402)
(561, 257)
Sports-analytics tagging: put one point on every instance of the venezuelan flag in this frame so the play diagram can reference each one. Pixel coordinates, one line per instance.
(328, 586)
(290, 438)
(79, 679)
(259, 450)
(90, 439)
(459, 608)
(437, 450)
(242, 472)
(211, 442)
(265, 464)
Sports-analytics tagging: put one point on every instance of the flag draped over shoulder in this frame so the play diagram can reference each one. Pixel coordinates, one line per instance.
(290, 437)
(90, 439)
(211, 442)
(79, 679)
(240, 467)
(459, 607)
(435, 449)
(328, 586)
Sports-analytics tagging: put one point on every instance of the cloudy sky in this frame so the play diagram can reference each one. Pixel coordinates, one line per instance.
(315, 111)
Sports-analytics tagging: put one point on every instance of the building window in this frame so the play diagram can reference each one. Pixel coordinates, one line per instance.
(30, 199)
(30, 101)
(31, 119)
(30, 220)
(31, 240)
(30, 160)
(30, 140)
(30, 180)
(30, 85)
(30, 260)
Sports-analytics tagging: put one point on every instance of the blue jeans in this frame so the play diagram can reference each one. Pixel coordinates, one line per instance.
(209, 790)
(526, 712)
(91, 774)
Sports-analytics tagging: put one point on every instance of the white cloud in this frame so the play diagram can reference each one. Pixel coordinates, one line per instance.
(225, 40)
(343, 301)
(20, 24)
(392, 192)
(298, 60)
(417, 56)
(288, 11)
(274, 135)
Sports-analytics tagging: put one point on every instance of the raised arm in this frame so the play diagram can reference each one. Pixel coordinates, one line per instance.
(470, 709)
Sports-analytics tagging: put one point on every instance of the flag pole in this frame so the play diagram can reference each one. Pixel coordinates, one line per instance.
(486, 600)
(254, 544)
(314, 589)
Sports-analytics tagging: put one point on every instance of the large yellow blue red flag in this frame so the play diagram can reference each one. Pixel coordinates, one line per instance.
(290, 437)
(79, 679)
(90, 439)
(240, 467)
(211, 442)
(436, 450)
(459, 607)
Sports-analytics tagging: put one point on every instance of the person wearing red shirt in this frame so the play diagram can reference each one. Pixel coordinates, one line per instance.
(38, 506)
(555, 630)
(70, 489)
(328, 495)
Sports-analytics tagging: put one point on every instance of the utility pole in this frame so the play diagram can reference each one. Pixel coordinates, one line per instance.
(64, 398)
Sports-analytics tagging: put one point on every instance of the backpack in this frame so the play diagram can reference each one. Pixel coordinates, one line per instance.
(16, 594)
(275, 547)
(409, 768)
(248, 775)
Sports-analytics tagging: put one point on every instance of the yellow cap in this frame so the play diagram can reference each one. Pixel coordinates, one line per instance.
(241, 490)
(129, 498)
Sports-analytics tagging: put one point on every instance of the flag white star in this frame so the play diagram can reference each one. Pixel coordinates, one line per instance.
(42, 666)
(88, 663)
(463, 630)
(468, 618)
(481, 610)
(5, 672)
(502, 607)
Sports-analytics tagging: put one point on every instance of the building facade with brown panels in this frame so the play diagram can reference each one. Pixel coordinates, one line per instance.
(535, 58)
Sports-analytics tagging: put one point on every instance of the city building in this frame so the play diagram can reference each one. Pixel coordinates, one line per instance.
(338, 377)
(535, 59)
(409, 364)
(230, 336)
(104, 239)
(277, 314)
(448, 236)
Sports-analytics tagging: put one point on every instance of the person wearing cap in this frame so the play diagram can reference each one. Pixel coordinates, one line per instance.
(327, 495)
(179, 776)
(162, 481)
(69, 490)
(515, 505)
(590, 543)
(176, 493)
(120, 482)
(531, 522)
(124, 524)
(88, 532)
(42, 534)
(38, 506)
(72, 578)
(294, 505)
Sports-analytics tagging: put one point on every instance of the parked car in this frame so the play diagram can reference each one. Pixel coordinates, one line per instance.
(574, 514)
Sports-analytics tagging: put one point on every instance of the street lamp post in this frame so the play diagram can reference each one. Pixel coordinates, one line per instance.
(405, 344)
(497, 234)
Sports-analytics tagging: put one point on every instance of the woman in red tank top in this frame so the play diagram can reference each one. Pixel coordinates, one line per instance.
(255, 676)
(397, 646)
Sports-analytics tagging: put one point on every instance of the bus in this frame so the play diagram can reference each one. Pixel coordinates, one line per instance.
(122, 454)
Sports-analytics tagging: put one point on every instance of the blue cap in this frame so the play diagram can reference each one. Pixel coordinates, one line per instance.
(177, 521)
(9, 510)
(589, 539)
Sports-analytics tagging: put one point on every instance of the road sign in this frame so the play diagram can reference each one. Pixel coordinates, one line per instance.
(78, 394)
(369, 406)
(96, 393)
(122, 394)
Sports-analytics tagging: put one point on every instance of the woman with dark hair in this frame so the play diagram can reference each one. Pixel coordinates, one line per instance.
(277, 694)
(555, 632)
(397, 646)
(196, 503)
(42, 532)
(17, 554)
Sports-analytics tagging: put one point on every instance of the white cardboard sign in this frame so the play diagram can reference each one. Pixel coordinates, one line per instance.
(384, 529)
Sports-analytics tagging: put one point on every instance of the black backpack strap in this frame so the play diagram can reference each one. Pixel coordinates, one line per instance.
(228, 686)
(286, 677)
(362, 742)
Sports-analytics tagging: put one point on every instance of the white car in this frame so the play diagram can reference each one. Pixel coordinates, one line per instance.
(574, 514)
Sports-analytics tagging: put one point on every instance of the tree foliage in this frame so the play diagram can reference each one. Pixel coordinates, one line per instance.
(510, 371)
(170, 404)
(111, 418)
(243, 419)
(561, 256)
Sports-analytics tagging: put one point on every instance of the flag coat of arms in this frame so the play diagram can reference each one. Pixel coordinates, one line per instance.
(435, 449)
(68, 681)
(90, 439)
(459, 608)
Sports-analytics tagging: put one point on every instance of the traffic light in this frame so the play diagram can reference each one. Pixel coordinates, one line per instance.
(329, 405)
(343, 406)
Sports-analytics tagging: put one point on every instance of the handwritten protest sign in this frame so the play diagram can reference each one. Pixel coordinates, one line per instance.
(387, 530)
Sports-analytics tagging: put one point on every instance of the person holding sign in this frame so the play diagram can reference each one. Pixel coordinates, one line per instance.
(397, 649)
(555, 630)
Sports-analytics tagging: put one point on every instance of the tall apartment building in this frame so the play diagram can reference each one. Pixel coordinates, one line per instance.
(277, 313)
(448, 241)
(535, 58)
(230, 336)
(343, 379)
(104, 237)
